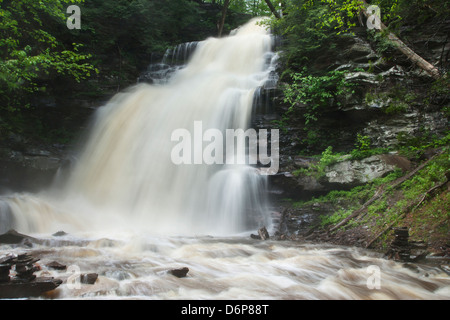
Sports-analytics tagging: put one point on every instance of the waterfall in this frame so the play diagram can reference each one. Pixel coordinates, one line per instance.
(174, 59)
(126, 177)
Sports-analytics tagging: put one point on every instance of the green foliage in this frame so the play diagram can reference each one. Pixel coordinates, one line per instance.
(394, 100)
(303, 40)
(339, 215)
(30, 52)
(431, 215)
(433, 174)
(327, 158)
(314, 94)
(415, 146)
(364, 149)
(347, 201)
(256, 8)
(311, 30)
(310, 27)
(340, 15)
(439, 93)
(150, 26)
(281, 124)
(40, 56)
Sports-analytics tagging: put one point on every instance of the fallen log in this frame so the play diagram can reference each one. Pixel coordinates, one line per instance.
(403, 48)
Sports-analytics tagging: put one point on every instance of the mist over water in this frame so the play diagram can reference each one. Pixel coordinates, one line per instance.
(131, 214)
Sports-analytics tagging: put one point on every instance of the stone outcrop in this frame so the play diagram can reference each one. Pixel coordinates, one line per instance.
(353, 173)
(17, 279)
(6, 217)
(343, 175)
(16, 238)
(27, 168)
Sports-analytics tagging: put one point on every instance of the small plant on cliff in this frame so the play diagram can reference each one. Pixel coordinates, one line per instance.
(327, 158)
(315, 94)
(364, 149)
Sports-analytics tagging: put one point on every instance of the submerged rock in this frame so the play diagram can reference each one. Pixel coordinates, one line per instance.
(88, 278)
(59, 234)
(179, 273)
(56, 266)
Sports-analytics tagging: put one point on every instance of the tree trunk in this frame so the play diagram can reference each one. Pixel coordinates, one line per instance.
(224, 14)
(272, 8)
(408, 52)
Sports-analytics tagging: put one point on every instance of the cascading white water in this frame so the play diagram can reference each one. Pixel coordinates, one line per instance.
(125, 176)
(125, 184)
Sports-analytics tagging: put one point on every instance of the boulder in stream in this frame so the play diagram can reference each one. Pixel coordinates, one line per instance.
(263, 234)
(179, 273)
(88, 278)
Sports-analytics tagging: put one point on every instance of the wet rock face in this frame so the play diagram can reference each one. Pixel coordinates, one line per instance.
(6, 217)
(28, 168)
(386, 131)
(389, 102)
(298, 221)
(343, 175)
(357, 172)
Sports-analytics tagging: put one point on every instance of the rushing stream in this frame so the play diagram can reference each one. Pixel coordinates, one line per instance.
(232, 268)
(151, 192)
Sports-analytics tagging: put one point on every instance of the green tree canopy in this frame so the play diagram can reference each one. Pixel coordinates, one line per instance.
(30, 53)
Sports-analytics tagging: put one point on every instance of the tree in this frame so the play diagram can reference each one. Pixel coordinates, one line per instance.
(407, 51)
(224, 14)
(272, 8)
(342, 13)
(252, 7)
(30, 53)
